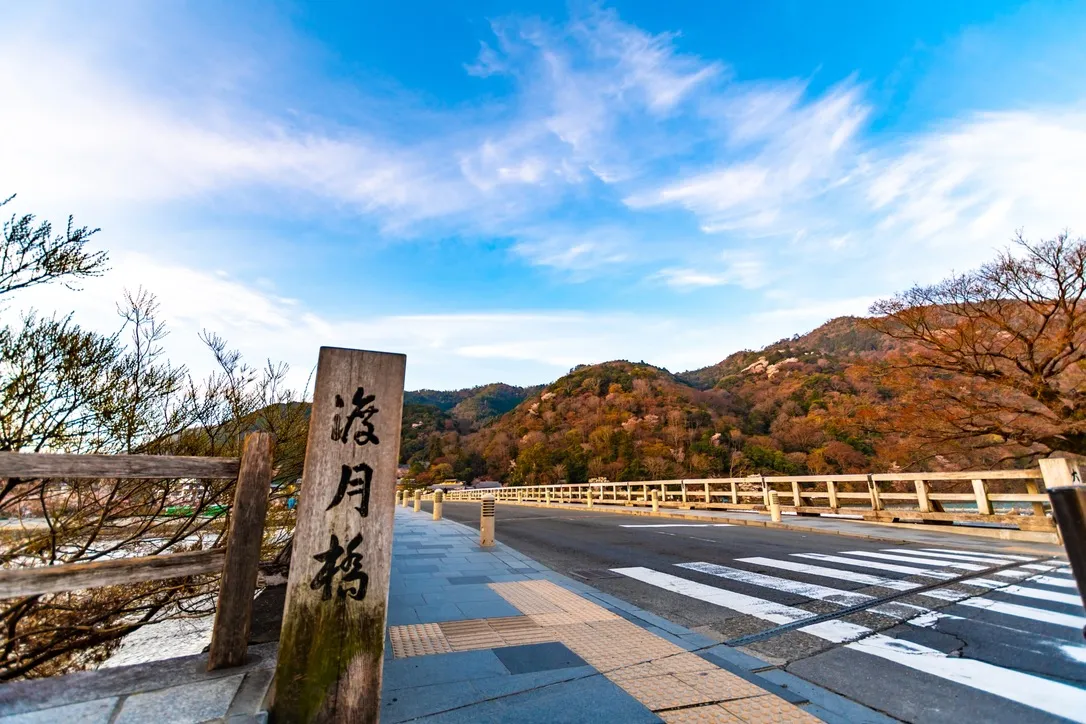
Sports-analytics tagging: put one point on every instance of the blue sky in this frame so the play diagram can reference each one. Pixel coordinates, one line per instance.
(504, 190)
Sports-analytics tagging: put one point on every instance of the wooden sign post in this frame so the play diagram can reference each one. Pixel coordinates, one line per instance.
(332, 640)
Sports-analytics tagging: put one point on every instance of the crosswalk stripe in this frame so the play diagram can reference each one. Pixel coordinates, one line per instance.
(1036, 614)
(952, 556)
(877, 566)
(998, 556)
(853, 576)
(1042, 595)
(1053, 581)
(810, 590)
(922, 561)
(1034, 691)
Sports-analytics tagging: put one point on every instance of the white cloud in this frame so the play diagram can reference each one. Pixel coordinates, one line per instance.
(742, 268)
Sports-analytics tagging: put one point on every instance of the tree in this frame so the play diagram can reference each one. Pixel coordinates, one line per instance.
(32, 254)
(67, 389)
(996, 356)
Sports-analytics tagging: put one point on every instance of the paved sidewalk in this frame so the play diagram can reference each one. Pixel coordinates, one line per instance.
(900, 532)
(488, 635)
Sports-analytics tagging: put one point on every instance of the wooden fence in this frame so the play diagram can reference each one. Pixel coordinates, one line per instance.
(237, 561)
(933, 498)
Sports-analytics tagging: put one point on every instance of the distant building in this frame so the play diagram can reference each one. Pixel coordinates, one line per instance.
(484, 484)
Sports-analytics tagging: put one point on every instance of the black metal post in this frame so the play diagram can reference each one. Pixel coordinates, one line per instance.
(1069, 510)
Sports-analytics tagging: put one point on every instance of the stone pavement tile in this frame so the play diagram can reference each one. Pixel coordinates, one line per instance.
(533, 658)
(517, 683)
(462, 594)
(401, 616)
(459, 580)
(398, 600)
(182, 704)
(768, 709)
(486, 609)
(406, 704)
(97, 711)
(442, 669)
(575, 702)
(438, 612)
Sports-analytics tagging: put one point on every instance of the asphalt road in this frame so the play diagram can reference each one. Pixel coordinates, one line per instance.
(975, 634)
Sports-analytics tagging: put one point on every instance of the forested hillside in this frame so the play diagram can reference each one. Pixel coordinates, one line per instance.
(818, 403)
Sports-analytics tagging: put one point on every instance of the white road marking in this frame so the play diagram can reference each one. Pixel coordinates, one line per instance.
(1040, 594)
(1034, 691)
(825, 572)
(1053, 581)
(916, 559)
(954, 556)
(809, 590)
(1035, 614)
(1003, 556)
(681, 525)
(877, 566)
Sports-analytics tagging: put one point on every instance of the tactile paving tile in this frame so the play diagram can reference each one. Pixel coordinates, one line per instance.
(768, 709)
(710, 714)
(720, 685)
(488, 633)
(664, 692)
(418, 639)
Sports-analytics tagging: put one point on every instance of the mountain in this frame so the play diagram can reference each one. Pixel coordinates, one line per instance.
(818, 403)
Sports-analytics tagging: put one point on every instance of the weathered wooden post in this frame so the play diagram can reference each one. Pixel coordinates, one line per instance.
(233, 614)
(332, 641)
(831, 493)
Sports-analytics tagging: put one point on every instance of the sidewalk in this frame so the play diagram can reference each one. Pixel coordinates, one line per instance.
(488, 635)
(981, 538)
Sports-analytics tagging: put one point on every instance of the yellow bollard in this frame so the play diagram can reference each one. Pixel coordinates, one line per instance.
(486, 521)
(439, 498)
(655, 502)
(774, 506)
(418, 500)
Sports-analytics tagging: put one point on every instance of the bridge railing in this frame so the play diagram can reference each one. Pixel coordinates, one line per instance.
(237, 560)
(1005, 497)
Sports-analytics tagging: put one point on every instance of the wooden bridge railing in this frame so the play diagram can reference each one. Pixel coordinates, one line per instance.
(882, 497)
(237, 561)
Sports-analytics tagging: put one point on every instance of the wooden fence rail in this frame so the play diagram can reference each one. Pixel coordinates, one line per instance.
(237, 561)
(878, 497)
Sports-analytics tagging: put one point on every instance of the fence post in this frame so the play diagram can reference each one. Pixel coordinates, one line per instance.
(331, 646)
(797, 499)
(1038, 508)
(873, 491)
(439, 499)
(735, 493)
(234, 611)
(984, 506)
(922, 501)
(765, 491)
(831, 490)
(486, 521)
(683, 484)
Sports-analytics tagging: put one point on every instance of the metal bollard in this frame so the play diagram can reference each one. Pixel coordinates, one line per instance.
(486, 521)
(439, 499)
(589, 497)
(655, 502)
(418, 500)
(774, 506)
(1069, 510)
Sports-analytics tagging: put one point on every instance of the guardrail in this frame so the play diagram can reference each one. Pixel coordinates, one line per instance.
(237, 560)
(1003, 497)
